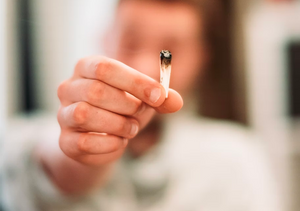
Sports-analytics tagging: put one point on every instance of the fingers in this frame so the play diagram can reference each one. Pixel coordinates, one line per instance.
(109, 98)
(104, 104)
(77, 143)
(123, 77)
(99, 95)
(85, 117)
(92, 148)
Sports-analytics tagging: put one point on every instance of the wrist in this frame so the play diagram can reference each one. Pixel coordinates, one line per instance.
(68, 175)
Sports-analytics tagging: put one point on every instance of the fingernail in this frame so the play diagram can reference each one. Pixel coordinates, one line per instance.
(134, 130)
(154, 95)
(125, 142)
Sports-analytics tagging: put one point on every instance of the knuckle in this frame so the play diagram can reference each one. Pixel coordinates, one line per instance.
(80, 63)
(61, 90)
(139, 81)
(63, 144)
(96, 89)
(103, 67)
(59, 115)
(80, 113)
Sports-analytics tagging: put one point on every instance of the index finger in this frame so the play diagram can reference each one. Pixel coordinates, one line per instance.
(123, 77)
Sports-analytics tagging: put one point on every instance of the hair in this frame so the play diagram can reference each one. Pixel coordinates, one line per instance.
(215, 96)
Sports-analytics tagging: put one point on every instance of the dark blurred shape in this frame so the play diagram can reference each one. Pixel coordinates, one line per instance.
(217, 98)
(293, 53)
(26, 59)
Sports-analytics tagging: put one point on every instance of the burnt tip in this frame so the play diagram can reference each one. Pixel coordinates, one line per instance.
(165, 54)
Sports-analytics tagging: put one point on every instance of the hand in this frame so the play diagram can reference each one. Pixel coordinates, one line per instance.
(104, 104)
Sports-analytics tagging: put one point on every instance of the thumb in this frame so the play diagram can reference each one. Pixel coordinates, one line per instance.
(171, 104)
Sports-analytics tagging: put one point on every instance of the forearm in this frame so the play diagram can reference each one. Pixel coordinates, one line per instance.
(70, 176)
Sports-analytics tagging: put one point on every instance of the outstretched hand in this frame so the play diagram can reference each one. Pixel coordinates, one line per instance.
(104, 104)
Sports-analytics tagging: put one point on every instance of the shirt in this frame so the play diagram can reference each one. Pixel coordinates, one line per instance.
(199, 164)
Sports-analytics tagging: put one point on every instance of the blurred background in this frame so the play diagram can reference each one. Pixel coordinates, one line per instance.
(41, 41)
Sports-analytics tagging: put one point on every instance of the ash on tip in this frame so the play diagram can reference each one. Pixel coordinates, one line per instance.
(165, 69)
(165, 57)
(165, 54)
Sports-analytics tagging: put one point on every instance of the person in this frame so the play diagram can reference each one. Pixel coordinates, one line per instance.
(120, 149)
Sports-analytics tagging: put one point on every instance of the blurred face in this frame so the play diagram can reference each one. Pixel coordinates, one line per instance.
(143, 28)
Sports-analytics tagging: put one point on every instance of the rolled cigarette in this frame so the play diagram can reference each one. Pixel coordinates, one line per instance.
(165, 69)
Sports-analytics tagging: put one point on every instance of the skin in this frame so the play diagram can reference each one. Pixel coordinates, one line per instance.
(110, 100)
